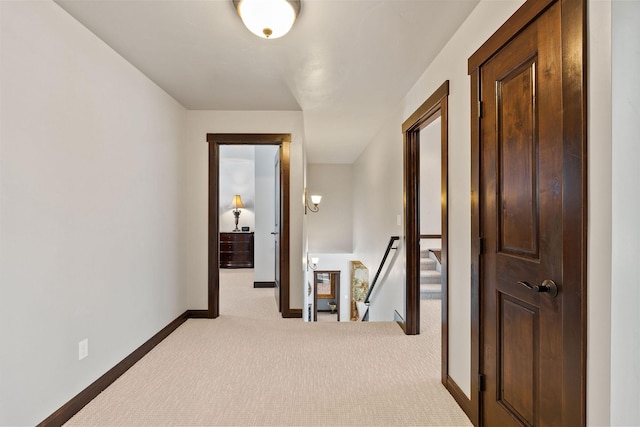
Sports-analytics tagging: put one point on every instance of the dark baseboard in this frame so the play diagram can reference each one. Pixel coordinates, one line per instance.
(78, 402)
(294, 313)
(197, 314)
(459, 396)
(400, 321)
(264, 284)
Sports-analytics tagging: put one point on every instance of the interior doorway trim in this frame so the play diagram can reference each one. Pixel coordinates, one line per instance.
(435, 106)
(215, 140)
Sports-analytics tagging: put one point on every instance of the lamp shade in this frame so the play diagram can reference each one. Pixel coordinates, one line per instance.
(236, 202)
(315, 199)
(268, 19)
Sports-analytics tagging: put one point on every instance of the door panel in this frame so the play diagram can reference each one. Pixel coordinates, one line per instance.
(518, 332)
(517, 147)
(521, 224)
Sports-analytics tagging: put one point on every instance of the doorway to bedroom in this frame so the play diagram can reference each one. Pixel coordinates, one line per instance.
(234, 226)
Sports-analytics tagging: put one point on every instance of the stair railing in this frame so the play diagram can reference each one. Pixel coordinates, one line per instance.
(367, 299)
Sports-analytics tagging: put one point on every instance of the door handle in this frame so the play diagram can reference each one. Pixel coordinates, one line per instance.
(548, 286)
(274, 233)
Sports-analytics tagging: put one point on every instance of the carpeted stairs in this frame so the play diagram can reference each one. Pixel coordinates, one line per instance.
(430, 276)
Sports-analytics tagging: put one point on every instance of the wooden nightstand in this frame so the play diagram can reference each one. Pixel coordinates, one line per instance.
(236, 250)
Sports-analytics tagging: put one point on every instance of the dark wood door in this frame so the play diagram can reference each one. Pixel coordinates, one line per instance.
(521, 222)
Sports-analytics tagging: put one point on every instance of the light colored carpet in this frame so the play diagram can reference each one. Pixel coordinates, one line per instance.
(251, 367)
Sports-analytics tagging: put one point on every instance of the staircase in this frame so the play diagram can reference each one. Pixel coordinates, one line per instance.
(430, 277)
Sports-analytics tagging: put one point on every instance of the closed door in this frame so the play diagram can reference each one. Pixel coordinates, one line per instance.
(525, 338)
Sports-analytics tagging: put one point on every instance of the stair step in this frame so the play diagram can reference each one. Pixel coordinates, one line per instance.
(427, 264)
(430, 277)
(430, 291)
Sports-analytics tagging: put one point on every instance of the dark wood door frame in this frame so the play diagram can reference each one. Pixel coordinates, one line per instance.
(574, 196)
(215, 140)
(435, 106)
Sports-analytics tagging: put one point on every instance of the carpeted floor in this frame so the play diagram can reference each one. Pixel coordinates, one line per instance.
(250, 367)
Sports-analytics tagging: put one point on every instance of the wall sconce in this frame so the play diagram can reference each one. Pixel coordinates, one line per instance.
(313, 262)
(268, 19)
(315, 201)
(236, 203)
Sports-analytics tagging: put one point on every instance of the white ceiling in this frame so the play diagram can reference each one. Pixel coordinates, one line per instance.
(345, 64)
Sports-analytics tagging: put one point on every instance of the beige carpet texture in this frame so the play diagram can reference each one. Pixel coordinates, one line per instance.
(250, 367)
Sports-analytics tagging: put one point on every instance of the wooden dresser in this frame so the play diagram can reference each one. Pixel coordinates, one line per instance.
(236, 250)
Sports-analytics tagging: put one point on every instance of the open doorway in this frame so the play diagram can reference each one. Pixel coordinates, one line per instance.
(247, 217)
(326, 296)
(426, 214)
(281, 262)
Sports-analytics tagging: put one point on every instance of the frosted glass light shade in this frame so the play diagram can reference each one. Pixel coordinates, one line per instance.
(315, 199)
(268, 19)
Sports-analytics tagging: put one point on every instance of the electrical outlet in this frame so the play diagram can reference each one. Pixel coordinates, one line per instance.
(83, 348)
(399, 220)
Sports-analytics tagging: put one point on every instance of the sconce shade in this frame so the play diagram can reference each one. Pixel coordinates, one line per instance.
(315, 201)
(236, 202)
(268, 19)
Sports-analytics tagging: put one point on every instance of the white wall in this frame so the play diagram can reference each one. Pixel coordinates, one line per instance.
(599, 215)
(264, 244)
(199, 123)
(377, 207)
(625, 292)
(237, 176)
(330, 230)
(431, 178)
(90, 209)
(379, 177)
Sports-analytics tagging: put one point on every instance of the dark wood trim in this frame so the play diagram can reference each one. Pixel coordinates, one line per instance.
(431, 236)
(197, 314)
(399, 320)
(248, 138)
(476, 325)
(283, 140)
(293, 313)
(575, 203)
(411, 172)
(213, 285)
(433, 107)
(529, 11)
(444, 239)
(285, 244)
(264, 284)
(458, 395)
(574, 101)
(422, 116)
(80, 400)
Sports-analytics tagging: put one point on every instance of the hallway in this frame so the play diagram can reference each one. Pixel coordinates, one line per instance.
(251, 367)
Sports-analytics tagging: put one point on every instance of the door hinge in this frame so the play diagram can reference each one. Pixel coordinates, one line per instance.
(481, 245)
(480, 382)
(479, 109)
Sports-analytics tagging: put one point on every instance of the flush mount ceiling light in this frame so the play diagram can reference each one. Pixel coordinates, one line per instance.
(268, 19)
